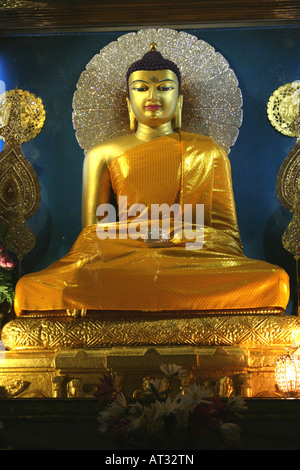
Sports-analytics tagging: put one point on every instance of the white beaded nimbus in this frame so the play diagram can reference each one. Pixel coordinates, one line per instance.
(212, 103)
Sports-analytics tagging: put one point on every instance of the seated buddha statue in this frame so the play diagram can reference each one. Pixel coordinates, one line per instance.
(114, 266)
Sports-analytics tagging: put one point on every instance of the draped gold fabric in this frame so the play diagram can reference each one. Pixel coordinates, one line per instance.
(127, 274)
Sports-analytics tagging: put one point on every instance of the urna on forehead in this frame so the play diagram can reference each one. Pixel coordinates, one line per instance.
(154, 60)
(153, 76)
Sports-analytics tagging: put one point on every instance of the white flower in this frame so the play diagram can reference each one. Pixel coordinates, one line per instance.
(118, 405)
(141, 418)
(192, 396)
(135, 409)
(230, 431)
(148, 421)
(237, 404)
(151, 419)
(165, 408)
(172, 370)
(160, 385)
(103, 418)
(116, 408)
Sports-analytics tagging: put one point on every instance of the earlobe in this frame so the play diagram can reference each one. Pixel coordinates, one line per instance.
(176, 121)
(132, 118)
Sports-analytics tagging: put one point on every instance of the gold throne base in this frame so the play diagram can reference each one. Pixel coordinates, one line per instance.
(65, 357)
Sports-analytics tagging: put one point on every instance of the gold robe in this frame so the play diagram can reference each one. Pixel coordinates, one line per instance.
(123, 274)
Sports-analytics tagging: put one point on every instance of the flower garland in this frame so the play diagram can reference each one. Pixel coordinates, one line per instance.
(155, 420)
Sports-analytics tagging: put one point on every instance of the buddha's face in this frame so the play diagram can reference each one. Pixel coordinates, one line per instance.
(153, 96)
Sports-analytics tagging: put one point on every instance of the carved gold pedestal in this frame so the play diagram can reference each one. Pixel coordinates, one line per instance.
(66, 358)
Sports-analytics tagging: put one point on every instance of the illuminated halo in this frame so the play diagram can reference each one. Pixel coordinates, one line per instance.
(212, 99)
(283, 108)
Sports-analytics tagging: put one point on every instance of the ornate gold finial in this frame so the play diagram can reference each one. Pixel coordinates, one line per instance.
(153, 46)
(22, 117)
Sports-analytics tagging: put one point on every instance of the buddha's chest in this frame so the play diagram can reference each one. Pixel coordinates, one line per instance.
(147, 180)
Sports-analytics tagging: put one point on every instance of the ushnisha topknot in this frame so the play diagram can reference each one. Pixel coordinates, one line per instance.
(154, 60)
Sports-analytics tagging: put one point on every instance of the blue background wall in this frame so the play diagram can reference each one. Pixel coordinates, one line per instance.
(49, 66)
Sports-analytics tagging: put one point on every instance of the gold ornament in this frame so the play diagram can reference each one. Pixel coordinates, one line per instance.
(291, 236)
(22, 117)
(288, 180)
(31, 112)
(262, 329)
(283, 109)
(283, 113)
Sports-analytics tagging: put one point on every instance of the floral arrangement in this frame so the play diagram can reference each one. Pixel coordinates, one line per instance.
(7, 277)
(155, 420)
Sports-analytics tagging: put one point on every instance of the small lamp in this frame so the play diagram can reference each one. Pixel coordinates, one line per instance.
(287, 375)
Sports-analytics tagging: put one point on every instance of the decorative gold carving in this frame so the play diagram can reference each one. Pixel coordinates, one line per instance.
(22, 117)
(14, 389)
(74, 388)
(291, 236)
(225, 387)
(76, 313)
(30, 115)
(283, 112)
(250, 369)
(21, 4)
(283, 108)
(41, 333)
(245, 386)
(57, 384)
(288, 179)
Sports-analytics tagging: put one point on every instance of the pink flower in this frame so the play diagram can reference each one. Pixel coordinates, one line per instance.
(106, 390)
(203, 419)
(118, 428)
(6, 261)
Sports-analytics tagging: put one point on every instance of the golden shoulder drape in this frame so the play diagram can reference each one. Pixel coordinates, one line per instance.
(126, 274)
